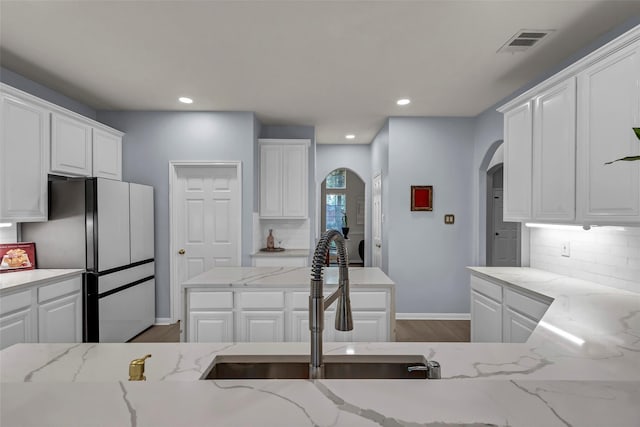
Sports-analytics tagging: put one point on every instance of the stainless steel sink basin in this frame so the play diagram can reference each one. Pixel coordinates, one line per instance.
(335, 367)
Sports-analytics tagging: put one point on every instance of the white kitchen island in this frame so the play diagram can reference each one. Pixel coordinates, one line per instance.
(270, 304)
(551, 380)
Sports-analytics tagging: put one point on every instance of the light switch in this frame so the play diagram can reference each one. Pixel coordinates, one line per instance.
(449, 219)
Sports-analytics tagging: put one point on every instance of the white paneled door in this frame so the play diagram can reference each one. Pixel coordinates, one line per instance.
(205, 222)
(377, 221)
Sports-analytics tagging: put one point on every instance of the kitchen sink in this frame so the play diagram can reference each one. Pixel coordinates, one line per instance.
(335, 367)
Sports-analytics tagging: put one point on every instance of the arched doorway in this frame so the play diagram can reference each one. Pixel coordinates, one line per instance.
(342, 205)
(503, 238)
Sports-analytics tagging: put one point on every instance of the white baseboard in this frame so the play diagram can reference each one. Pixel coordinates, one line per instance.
(433, 316)
(163, 321)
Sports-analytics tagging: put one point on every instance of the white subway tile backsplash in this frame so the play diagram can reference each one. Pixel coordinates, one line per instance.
(607, 256)
(9, 234)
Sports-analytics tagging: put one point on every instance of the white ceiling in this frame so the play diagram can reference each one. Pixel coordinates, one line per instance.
(336, 65)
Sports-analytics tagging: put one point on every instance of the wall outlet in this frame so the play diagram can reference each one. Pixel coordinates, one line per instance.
(565, 249)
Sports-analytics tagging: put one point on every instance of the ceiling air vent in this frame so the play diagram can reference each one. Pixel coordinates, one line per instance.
(524, 40)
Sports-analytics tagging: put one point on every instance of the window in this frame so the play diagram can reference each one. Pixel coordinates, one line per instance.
(336, 206)
(337, 180)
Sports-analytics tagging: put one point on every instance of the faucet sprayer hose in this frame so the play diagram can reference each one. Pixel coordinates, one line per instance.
(322, 248)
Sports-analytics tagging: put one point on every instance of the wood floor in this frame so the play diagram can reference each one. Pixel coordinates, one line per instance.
(406, 331)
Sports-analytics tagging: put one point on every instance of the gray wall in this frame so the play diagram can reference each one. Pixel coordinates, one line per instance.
(19, 82)
(380, 165)
(154, 138)
(427, 258)
(356, 158)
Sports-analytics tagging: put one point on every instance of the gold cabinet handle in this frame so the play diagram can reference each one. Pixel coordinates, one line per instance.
(136, 369)
(181, 251)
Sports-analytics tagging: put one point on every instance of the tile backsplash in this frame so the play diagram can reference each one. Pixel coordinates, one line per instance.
(606, 255)
(293, 234)
(9, 234)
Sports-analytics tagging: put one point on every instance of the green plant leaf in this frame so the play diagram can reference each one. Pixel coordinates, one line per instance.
(624, 159)
(637, 131)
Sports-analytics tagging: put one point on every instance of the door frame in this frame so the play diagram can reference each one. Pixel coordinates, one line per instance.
(373, 224)
(175, 296)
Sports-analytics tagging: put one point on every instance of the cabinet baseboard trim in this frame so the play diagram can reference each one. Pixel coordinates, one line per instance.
(163, 321)
(433, 316)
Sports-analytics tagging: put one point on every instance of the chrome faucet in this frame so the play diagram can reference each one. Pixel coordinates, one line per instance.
(318, 304)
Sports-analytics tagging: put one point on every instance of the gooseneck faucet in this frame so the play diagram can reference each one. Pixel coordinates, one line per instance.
(317, 302)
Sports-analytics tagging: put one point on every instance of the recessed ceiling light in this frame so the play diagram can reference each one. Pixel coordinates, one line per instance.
(403, 101)
(350, 136)
(185, 100)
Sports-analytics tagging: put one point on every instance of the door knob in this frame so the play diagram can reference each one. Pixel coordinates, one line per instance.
(181, 251)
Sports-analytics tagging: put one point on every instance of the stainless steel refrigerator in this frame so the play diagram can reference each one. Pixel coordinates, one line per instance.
(105, 227)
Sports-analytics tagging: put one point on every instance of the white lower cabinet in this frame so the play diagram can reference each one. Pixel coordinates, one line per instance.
(16, 328)
(486, 319)
(211, 326)
(516, 327)
(57, 320)
(261, 326)
(502, 314)
(47, 313)
(275, 315)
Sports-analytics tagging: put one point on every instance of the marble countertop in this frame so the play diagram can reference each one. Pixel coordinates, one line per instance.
(286, 253)
(549, 381)
(21, 279)
(283, 277)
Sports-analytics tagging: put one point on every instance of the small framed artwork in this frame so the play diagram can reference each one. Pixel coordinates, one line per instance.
(17, 256)
(421, 198)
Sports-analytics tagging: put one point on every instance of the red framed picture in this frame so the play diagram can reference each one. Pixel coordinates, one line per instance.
(421, 198)
(17, 257)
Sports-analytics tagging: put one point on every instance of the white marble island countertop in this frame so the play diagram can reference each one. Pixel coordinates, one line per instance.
(283, 277)
(548, 381)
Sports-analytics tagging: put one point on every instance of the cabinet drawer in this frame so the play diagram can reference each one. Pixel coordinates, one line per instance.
(260, 300)
(59, 289)
(210, 300)
(487, 288)
(368, 300)
(524, 304)
(15, 301)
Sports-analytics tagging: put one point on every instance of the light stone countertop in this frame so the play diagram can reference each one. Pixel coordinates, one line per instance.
(17, 280)
(548, 381)
(284, 277)
(302, 253)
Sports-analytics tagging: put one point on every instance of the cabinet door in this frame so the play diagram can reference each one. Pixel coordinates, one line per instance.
(517, 328)
(609, 93)
(367, 327)
(210, 326)
(261, 326)
(16, 328)
(60, 320)
(107, 155)
(270, 181)
(517, 163)
(486, 319)
(554, 147)
(295, 182)
(70, 146)
(24, 157)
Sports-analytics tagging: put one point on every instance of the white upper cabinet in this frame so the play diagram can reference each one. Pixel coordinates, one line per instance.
(24, 156)
(517, 163)
(107, 155)
(610, 106)
(560, 135)
(70, 146)
(284, 178)
(554, 148)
